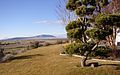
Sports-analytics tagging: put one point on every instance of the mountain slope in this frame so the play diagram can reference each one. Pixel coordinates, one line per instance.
(33, 37)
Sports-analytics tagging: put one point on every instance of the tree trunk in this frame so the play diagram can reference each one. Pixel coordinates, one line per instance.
(84, 59)
(83, 62)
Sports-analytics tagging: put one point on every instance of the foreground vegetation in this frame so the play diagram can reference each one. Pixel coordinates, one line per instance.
(47, 61)
(91, 27)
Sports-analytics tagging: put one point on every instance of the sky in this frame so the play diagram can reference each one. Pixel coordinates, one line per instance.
(21, 18)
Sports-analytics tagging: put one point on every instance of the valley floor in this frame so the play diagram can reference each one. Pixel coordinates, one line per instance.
(47, 61)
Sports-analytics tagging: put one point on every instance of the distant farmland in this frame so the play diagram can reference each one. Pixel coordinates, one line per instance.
(14, 46)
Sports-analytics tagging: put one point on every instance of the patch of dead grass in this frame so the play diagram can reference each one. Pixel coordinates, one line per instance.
(47, 61)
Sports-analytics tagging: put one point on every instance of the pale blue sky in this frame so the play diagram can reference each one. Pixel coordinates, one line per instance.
(20, 18)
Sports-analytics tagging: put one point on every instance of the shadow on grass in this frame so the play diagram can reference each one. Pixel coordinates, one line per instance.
(96, 64)
(110, 64)
(117, 66)
(26, 57)
(22, 57)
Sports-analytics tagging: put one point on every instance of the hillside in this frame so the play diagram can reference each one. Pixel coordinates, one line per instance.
(47, 61)
(44, 36)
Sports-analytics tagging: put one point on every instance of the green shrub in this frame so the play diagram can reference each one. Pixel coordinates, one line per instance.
(78, 48)
(73, 48)
(101, 51)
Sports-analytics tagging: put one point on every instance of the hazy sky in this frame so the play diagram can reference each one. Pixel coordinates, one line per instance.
(28, 18)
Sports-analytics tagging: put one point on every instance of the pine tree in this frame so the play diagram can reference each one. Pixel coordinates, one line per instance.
(82, 28)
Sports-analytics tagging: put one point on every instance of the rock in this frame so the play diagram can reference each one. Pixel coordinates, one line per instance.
(93, 64)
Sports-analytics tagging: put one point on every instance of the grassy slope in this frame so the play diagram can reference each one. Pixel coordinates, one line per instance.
(47, 61)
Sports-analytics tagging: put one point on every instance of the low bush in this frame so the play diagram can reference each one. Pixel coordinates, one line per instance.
(80, 49)
(35, 44)
(73, 48)
(101, 51)
(7, 57)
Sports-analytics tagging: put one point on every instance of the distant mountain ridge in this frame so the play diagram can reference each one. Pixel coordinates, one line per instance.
(43, 36)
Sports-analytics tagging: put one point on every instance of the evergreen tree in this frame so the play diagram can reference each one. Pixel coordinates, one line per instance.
(111, 21)
(82, 28)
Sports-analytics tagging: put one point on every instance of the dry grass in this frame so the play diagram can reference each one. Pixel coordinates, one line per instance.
(47, 61)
